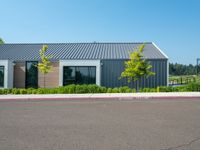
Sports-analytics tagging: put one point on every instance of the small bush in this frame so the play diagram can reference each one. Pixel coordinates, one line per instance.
(71, 88)
(115, 90)
(23, 91)
(29, 90)
(165, 89)
(81, 89)
(133, 90)
(195, 87)
(102, 90)
(15, 91)
(92, 88)
(124, 89)
(40, 91)
(109, 90)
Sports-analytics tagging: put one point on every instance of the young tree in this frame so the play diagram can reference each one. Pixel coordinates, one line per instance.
(137, 67)
(45, 65)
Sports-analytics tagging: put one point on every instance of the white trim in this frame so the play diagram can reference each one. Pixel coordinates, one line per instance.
(160, 50)
(167, 72)
(95, 63)
(8, 73)
(167, 61)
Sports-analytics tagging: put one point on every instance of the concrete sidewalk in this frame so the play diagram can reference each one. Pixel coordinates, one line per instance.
(117, 96)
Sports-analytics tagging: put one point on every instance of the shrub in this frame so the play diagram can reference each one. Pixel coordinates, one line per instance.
(40, 91)
(115, 90)
(133, 90)
(15, 91)
(153, 90)
(6, 91)
(23, 91)
(109, 90)
(195, 87)
(29, 90)
(81, 89)
(165, 89)
(102, 89)
(71, 88)
(92, 88)
(62, 90)
(124, 89)
(53, 91)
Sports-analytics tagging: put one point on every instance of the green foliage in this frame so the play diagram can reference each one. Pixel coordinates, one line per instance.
(124, 89)
(115, 90)
(23, 91)
(109, 90)
(137, 67)
(194, 87)
(81, 89)
(78, 89)
(45, 65)
(180, 69)
(146, 90)
(1, 41)
(183, 79)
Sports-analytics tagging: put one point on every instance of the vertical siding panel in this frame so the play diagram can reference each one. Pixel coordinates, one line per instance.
(158, 73)
(52, 78)
(111, 71)
(164, 71)
(19, 75)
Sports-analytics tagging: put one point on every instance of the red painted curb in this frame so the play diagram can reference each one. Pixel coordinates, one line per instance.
(104, 98)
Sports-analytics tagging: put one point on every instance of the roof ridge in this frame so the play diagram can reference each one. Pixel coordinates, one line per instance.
(79, 43)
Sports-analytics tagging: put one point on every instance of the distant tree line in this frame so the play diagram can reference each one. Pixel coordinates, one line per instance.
(180, 69)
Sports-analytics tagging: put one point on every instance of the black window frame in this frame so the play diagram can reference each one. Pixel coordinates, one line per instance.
(76, 75)
(3, 76)
(26, 86)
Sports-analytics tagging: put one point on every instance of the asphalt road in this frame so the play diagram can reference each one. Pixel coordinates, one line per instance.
(100, 125)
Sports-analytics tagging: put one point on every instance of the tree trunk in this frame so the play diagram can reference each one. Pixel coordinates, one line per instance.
(44, 81)
(137, 86)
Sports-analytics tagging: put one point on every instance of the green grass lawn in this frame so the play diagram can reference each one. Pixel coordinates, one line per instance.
(184, 79)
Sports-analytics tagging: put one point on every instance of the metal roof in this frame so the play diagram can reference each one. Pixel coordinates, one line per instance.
(62, 51)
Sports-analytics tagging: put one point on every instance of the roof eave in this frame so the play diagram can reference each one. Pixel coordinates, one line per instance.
(160, 50)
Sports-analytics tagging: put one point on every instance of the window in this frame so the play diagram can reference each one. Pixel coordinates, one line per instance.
(79, 75)
(69, 75)
(31, 74)
(1, 76)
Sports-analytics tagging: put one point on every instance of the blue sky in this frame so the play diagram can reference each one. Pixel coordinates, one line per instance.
(174, 25)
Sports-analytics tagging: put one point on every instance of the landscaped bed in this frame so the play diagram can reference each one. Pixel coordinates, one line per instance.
(92, 88)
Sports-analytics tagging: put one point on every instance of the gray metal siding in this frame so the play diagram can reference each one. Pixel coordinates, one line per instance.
(111, 71)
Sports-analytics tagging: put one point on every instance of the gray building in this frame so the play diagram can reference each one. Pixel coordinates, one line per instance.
(78, 63)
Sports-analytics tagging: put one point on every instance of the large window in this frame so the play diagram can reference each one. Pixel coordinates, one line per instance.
(79, 75)
(1, 76)
(31, 74)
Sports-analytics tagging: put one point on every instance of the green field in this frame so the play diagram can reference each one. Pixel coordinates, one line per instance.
(184, 79)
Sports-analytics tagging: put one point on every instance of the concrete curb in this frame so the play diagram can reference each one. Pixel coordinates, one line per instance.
(104, 96)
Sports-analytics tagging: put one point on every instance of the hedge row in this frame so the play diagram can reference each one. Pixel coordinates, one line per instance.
(78, 89)
(70, 89)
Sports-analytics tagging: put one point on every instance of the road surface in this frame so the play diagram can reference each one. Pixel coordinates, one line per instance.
(100, 125)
